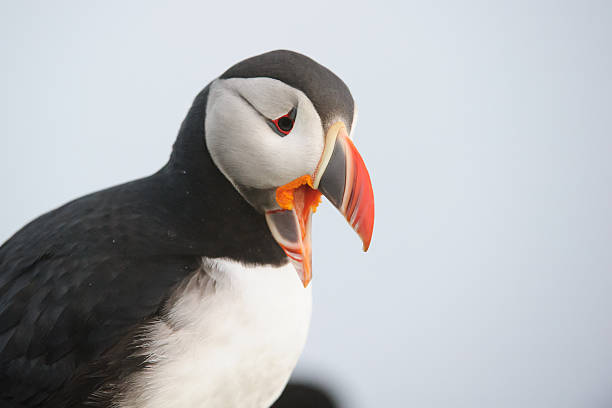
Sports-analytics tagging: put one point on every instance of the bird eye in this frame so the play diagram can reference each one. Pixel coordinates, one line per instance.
(284, 124)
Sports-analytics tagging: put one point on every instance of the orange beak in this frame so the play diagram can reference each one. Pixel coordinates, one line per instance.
(342, 177)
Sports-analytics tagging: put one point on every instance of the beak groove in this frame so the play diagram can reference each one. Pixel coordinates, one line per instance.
(343, 178)
(346, 183)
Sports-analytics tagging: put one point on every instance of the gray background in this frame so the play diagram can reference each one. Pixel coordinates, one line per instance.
(486, 128)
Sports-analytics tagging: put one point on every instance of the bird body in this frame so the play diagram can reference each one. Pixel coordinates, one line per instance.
(180, 289)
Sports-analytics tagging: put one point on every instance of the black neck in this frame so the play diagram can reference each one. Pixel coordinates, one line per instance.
(212, 218)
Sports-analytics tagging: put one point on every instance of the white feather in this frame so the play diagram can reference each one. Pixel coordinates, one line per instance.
(231, 340)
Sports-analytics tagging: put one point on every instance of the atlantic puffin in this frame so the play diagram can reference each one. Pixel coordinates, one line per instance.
(189, 287)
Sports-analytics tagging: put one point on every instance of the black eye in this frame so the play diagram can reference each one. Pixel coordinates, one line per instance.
(284, 124)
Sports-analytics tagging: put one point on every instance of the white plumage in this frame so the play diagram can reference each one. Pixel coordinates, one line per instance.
(231, 339)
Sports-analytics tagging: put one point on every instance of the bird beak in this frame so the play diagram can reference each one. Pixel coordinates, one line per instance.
(342, 177)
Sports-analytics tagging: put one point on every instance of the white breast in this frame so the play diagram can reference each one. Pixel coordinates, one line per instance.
(231, 339)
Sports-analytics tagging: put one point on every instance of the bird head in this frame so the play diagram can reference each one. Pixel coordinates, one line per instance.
(279, 126)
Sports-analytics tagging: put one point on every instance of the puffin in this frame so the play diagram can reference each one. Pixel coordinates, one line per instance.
(189, 287)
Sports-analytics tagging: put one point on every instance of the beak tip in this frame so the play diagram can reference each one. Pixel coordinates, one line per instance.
(366, 235)
(366, 244)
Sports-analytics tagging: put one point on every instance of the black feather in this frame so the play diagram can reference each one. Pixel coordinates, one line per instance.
(78, 283)
(79, 280)
(327, 92)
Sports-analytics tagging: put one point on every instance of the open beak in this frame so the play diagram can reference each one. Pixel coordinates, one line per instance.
(342, 177)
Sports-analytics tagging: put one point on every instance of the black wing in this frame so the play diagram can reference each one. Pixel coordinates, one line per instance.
(76, 280)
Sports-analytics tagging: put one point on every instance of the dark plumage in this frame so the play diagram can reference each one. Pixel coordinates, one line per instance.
(298, 395)
(78, 283)
(328, 93)
(78, 279)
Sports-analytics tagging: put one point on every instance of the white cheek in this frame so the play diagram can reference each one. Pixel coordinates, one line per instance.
(246, 149)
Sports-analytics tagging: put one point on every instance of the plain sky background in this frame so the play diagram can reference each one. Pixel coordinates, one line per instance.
(486, 127)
